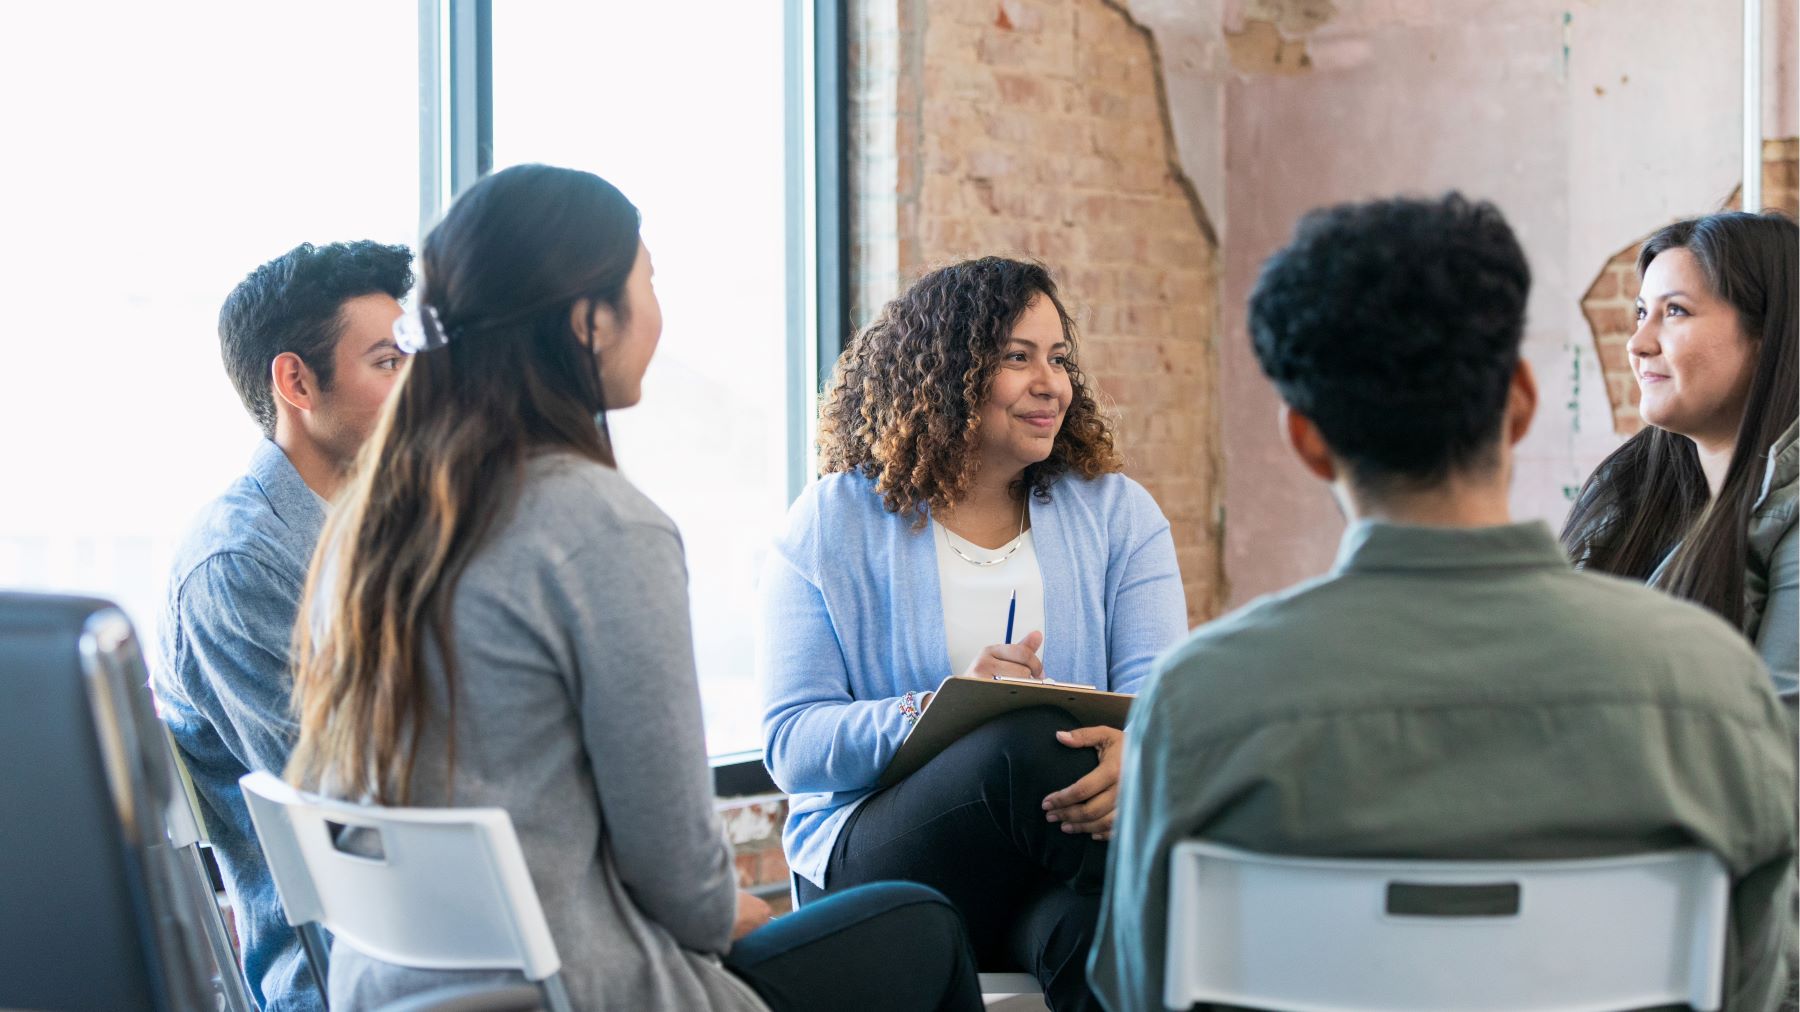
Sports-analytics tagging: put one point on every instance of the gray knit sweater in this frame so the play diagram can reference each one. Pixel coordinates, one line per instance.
(578, 712)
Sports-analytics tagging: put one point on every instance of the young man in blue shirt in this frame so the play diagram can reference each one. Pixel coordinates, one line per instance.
(1452, 688)
(307, 339)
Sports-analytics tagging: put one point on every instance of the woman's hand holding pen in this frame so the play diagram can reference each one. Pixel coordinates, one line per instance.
(1088, 804)
(1010, 660)
(1013, 660)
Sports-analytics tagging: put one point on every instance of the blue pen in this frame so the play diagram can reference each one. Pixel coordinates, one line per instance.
(1012, 606)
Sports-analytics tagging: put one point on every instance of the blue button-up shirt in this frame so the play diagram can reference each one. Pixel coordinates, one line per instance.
(221, 678)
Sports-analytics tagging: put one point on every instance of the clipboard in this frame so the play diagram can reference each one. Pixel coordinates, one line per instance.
(964, 703)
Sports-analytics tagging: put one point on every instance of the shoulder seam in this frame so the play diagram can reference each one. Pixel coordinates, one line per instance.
(233, 553)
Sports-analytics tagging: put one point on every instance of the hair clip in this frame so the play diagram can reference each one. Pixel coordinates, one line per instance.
(419, 329)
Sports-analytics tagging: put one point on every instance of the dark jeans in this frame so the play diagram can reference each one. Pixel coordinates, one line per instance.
(890, 946)
(971, 825)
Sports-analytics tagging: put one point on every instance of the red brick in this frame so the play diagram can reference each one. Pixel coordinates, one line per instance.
(1614, 364)
(771, 865)
(1038, 131)
(1022, 90)
(1606, 286)
(1612, 320)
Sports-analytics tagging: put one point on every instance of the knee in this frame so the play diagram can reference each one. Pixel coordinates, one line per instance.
(1033, 720)
(887, 901)
(897, 895)
(1021, 749)
(917, 912)
(1026, 730)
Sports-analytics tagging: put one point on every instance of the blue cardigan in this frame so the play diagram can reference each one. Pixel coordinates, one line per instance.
(852, 620)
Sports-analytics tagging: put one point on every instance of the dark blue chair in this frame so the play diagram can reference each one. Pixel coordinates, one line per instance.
(99, 909)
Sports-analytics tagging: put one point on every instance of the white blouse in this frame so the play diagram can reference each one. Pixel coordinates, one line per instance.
(975, 597)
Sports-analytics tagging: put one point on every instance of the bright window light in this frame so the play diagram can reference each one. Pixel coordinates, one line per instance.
(690, 125)
(155, 155)
(171, 151)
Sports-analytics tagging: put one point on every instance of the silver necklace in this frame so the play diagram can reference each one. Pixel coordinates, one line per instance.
(1012, 547)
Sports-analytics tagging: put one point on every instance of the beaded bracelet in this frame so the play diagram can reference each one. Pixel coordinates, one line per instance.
(909, 708)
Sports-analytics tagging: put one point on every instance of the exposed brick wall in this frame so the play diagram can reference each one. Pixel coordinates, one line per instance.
(1040, 130)
(753, 825)
(1608, 306)
(1609, 303)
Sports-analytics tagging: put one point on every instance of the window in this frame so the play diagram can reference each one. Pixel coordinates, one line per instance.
(693, 127)
(181, 150)
(155, 155)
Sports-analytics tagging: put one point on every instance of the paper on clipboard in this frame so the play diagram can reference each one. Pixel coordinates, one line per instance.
(964, 703)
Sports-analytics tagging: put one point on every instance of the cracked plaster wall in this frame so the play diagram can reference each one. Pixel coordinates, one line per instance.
(1588, 122)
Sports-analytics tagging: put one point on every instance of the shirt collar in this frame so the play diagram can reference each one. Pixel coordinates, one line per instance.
(292, 499)
(1783, 468)
(1371, 545)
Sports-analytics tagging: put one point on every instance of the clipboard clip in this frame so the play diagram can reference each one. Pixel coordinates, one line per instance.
(1027, 681)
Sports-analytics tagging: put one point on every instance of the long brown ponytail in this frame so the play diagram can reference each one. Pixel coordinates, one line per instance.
(503, 272)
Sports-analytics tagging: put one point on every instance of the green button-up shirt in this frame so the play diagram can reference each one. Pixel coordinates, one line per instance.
(1458, 693)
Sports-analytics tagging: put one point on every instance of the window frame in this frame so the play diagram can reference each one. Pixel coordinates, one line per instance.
(456, 145)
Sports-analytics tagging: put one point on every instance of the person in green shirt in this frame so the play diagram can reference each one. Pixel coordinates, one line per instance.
(1452, 688)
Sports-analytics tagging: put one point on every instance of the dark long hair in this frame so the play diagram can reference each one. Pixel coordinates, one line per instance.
(503, 271)
(1650, 496)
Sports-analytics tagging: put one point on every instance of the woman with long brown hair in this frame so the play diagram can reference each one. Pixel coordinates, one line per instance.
(971, 488)
(496, 616)
(1702, 501)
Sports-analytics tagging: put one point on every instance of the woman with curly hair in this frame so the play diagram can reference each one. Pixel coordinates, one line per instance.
(965, 462)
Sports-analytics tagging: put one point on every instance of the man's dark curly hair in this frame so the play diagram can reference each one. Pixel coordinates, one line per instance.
(903, 406)
(291, 304)
(1394, 326)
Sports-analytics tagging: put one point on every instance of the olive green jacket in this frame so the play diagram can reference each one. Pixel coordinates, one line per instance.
(1458, 693)
(1772, 583)
(1772, 570)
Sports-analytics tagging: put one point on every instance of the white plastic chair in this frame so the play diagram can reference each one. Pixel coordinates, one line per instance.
(448, 891)
(1328, 935)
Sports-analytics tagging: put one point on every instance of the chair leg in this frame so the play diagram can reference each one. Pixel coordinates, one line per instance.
(318, 959)
(556, 993)
(231, 972)
(1010, 983)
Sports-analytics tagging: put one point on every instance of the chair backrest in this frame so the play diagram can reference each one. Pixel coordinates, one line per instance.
(187, 826)
(429, 888)
(97, 908)
(1327, 935)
